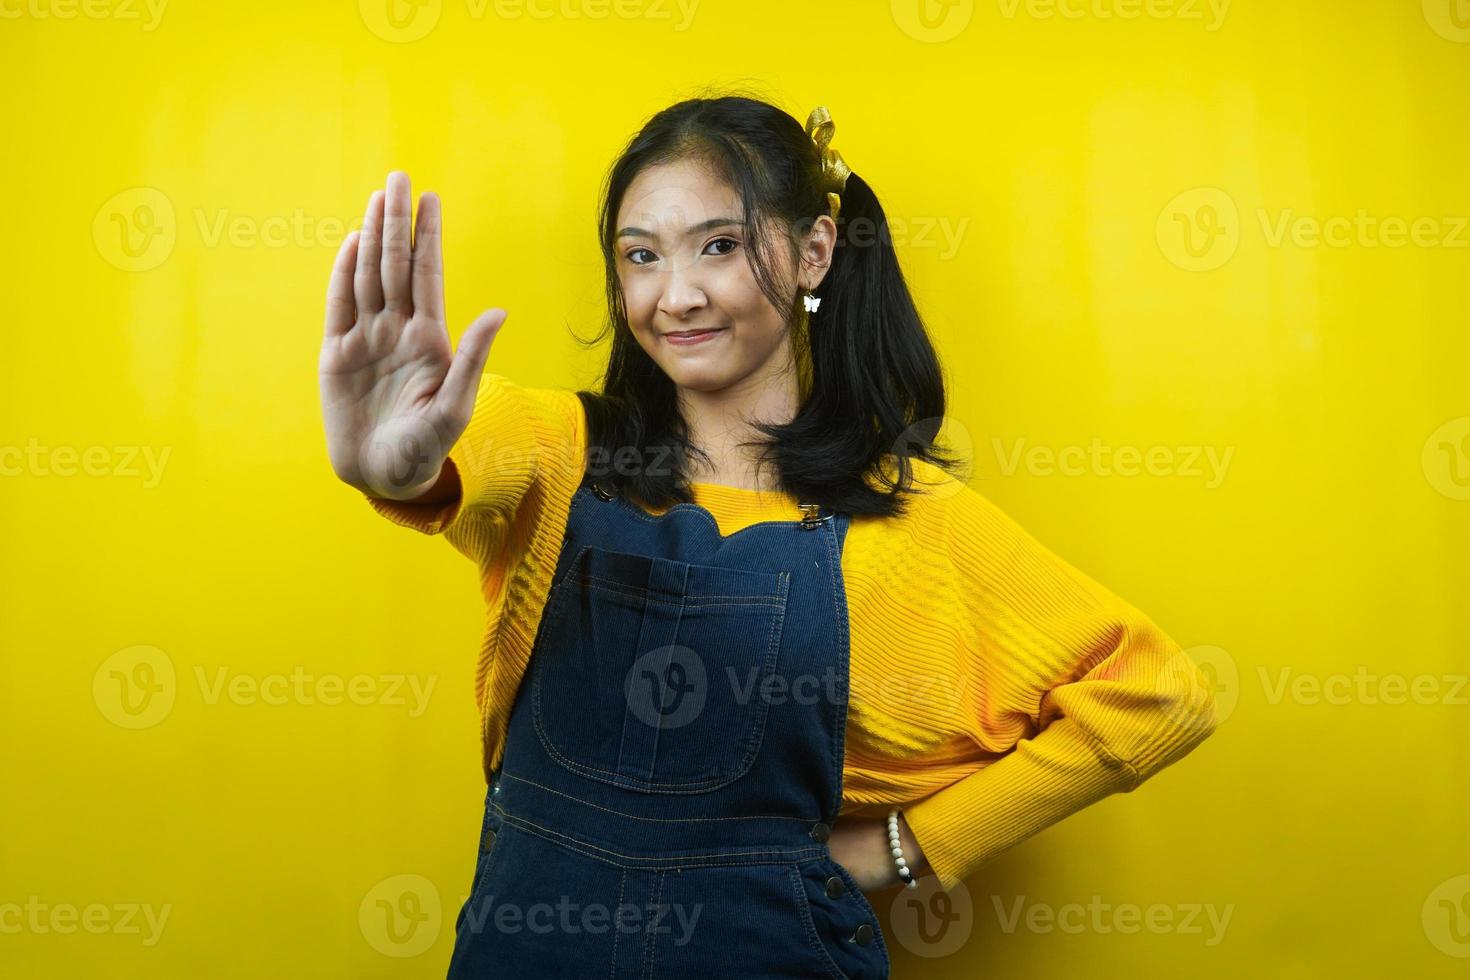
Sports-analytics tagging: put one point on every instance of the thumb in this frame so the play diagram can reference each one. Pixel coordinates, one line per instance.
(457, 393)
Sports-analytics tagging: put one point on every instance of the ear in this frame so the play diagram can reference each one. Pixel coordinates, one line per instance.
(816, 252)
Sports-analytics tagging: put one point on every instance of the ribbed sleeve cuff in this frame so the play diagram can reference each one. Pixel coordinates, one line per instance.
(1043, 780)
(425, 518)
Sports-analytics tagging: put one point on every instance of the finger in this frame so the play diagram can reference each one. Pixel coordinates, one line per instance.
(428, 259)
(341, 310)
(367, 282)
(395, 264)
(463, 380)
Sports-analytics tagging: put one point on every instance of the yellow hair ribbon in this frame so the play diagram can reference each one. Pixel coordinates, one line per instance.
(821, 128)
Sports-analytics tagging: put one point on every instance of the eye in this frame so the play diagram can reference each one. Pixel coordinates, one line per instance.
(634, 251)
(732, 242)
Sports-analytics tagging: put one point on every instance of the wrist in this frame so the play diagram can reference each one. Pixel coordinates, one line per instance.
(439, 488)
(905, 853)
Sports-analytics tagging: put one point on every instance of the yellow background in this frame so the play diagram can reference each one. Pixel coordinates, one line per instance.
(1065, 148)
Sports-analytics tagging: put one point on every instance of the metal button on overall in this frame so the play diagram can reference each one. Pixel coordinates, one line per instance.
(835, 887)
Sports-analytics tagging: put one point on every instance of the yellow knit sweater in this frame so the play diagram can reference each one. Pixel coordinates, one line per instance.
(994, 688)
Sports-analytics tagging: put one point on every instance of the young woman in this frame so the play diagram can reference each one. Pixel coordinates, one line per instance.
(751, 651)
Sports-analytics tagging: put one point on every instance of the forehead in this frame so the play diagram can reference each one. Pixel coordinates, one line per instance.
(669, 197)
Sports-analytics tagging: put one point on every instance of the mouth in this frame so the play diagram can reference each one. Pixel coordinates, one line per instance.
(686, 337)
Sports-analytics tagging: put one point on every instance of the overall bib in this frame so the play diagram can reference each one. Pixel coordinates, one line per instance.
(673, 763)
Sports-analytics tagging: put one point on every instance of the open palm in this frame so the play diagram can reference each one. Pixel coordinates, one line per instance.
(395, 398)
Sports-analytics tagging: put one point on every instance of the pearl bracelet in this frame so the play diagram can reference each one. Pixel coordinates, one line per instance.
(897, 848)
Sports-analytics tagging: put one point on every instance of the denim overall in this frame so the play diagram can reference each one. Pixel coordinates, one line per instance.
(673, 763)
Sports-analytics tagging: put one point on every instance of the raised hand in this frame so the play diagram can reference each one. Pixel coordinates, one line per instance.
(394, 399)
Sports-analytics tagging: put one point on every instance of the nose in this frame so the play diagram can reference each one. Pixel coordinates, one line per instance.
(681, 294)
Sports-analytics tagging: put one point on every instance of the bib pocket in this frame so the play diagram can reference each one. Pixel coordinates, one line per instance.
(655, 674)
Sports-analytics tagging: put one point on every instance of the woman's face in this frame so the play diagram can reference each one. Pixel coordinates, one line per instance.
(683, 265)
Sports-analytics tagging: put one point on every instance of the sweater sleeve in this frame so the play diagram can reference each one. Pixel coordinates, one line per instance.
(1106, 698)
(511, 433)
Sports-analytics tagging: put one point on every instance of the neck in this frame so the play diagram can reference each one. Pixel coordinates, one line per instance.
(718, 423)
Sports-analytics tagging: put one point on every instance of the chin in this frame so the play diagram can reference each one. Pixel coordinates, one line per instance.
(698, 377)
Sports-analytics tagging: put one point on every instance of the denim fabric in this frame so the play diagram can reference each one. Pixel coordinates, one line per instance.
(673, 760)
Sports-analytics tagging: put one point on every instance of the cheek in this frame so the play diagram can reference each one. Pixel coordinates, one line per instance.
(743, 302)
(640, 301)
(744, 297)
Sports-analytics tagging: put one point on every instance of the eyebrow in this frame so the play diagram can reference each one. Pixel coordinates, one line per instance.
(703, 226)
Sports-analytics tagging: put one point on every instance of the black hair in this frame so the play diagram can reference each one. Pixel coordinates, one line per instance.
(872, 388)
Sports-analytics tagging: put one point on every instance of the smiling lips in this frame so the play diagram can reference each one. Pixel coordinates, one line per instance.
(691, 336)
